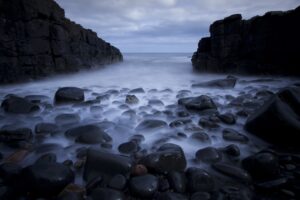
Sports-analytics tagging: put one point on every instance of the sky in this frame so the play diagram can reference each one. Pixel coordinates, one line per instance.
(161, 25)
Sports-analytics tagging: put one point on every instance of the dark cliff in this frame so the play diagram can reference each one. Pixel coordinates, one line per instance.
(37, 40)
(268, 44)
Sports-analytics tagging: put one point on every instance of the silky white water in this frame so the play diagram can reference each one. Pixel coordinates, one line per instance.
(162, 76)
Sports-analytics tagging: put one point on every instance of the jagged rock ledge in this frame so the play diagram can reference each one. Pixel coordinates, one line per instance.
(268, 44)
(37, 40)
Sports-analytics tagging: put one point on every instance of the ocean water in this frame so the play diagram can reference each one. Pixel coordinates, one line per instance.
(164, 77)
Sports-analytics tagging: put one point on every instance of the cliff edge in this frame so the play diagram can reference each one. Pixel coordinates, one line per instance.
(268, 44)
(37, 40)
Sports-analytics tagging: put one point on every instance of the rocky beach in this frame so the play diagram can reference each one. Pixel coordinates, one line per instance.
(154, 126)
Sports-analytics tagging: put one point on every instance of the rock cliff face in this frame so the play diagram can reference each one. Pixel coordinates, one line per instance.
(268, 44)
(37, 40)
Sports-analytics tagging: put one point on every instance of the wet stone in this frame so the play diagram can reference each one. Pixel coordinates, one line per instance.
(151, 124)
(169, 157)
(117, 182)
(155, 102)
(15, 135)
(199, 180)
(18, 105)
(69, 95)
(137, 90)
(106, 165)
(139, 170)
(131, 99)
(232, 171)
(200, 103)
(143, 186)
(106, 194)
(201, 137)
(262, 166)
(226, 83)
(206, 123)
(46, 128)
(46, 179)
(201, 196)
(227, 118)
(172, 196)
(88, 134)
(128, 147)
(232, 150)
(234, 136)
(67, 119)
(209, 155)
(163, 184)
(47, 158)
(180, 122)
(177, 181)
(183, 114)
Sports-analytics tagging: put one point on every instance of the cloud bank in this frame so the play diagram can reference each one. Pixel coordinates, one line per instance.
(161, 25)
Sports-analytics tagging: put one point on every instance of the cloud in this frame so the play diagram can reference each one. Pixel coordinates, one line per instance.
(161, 25)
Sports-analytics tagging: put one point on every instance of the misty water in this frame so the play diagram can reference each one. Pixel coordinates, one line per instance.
(164, 77)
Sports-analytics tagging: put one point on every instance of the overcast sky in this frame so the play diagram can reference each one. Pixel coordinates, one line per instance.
(161, 25)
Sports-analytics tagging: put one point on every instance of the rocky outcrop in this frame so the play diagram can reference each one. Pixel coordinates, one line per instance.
(266, 44)
(37, 40)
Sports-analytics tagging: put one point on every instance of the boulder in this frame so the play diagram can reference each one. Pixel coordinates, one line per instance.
(169, 157)
(89, 134)
(15, 135)
(209, 155)
(143, 186)
(233, 172)
(199, 180)
(18, 105)
(278, 120)
(46, 179)
(200, 103)
(106, 194)
(106, 165)
(226, 83)
(69, 95)
(151, 124)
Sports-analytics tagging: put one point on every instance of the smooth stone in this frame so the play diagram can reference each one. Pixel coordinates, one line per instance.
(72, 192)
(106, 165)
(89, 134)
(46, 179)
(227, 118)
(117, 182)
(207, 123)
(273, 184)
(180, 122)
(199, 180)
(183, 114)
(263, 165)
(67, 119)
(151, 124)
(209, 155)
(234, 136)
(226, 83)
(47, 158)
(137, 90)
(155, 102)
(46, 128)
(128, 147)
(200, 196)
(36, 98)
(143, 186)
(177, 181)
(172, 196)
(139, 170)
(15, 135)
(201, 137)
(232, 171)
(199, 103)
(169, 157)
(69, 95)
(131, 99)
(280, 114)
(10, 172)
(232, 150)
(107, 194)
(18, 105)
